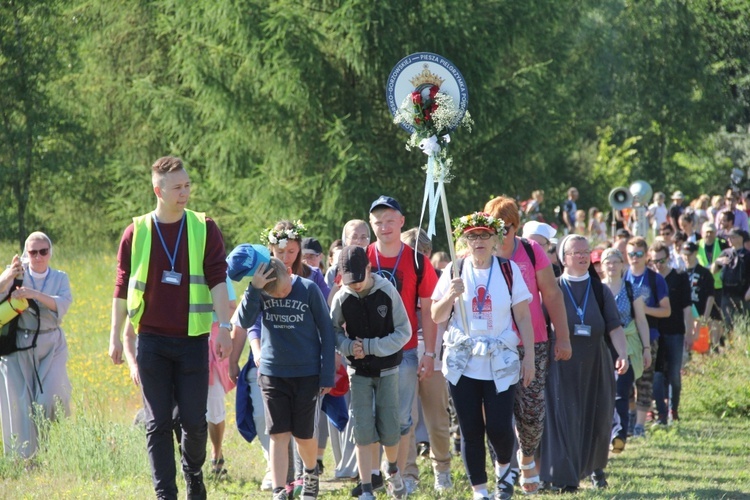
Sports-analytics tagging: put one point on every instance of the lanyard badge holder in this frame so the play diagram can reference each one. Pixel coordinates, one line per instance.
(581, 329)
(170, 277)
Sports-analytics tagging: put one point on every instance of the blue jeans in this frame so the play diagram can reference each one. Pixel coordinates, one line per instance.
(173, 370)
(622, 401)
(670, 347)
(407, 388)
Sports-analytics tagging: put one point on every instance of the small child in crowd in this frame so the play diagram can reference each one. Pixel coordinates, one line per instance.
(377, 328)
(297, 365)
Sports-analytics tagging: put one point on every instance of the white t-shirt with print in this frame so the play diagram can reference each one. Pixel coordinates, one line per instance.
(495, 317)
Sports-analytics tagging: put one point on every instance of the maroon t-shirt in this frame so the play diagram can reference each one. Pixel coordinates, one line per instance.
(166, 306)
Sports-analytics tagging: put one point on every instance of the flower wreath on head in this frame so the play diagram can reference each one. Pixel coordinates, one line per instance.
(476, 220)
(280, 237)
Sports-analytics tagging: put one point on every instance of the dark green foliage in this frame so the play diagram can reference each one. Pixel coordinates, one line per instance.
(278, 107)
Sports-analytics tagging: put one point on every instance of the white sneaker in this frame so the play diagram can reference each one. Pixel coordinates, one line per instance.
(443, 481)
(267, 483)
(411, 485)
(396, 486)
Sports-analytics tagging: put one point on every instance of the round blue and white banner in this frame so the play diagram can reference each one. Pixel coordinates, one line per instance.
(422, 70)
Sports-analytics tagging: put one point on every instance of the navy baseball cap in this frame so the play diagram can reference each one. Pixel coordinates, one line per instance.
(353, 263)
(311, 245)
(386, 201)
(245, 259)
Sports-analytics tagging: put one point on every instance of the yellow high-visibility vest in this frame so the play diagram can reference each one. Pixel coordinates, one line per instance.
(703, 261)
(201, 306)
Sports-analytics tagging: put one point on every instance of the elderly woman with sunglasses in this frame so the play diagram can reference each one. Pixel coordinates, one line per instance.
(35, 376)
(481, 361)
(581, 391)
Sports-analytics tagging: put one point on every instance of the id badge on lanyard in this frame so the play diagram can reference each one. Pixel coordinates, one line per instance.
(581, 329)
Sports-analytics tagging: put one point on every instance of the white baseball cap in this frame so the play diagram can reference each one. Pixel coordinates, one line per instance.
(540, 228)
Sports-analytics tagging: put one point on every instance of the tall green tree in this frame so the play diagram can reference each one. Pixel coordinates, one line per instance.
(36, 135)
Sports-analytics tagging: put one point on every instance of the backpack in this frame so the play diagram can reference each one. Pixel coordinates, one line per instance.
(733, 274)
(529, 252)
(9, 331)
(419, 270)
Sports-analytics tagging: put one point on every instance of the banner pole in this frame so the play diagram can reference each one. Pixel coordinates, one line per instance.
(452, 249)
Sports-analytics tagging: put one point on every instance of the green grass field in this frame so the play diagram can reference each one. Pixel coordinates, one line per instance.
(98, 453)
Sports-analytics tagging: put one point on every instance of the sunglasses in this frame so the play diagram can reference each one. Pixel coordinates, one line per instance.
(478, 236)
(666, 233)
(659, 261)
(637, 254)
(43, 252)
(506, 229)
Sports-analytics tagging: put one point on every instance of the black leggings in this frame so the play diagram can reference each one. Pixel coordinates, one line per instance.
(470, 396)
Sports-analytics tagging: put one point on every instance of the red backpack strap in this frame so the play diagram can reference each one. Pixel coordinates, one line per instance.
(508, 275)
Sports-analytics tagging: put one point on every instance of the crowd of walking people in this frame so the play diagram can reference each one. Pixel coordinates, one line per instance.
(545, 347)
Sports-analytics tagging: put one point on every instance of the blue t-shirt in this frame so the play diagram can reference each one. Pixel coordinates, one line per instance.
(642, 287)
(571, 208)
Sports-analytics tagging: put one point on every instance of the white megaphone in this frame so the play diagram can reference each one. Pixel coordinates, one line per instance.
(620, 198)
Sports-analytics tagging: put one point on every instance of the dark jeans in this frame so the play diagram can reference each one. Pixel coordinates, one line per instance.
(732, 305)
(622, 401)
(470, 397)
(173, 370)
(670, 362)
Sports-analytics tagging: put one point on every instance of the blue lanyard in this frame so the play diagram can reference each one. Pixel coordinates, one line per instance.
(633, 278)
(392, 277)
(172, 257)
(44, 283)
(480, 303)
(580, 311)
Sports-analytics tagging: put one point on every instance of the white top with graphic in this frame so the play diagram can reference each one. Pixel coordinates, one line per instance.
(488, 308)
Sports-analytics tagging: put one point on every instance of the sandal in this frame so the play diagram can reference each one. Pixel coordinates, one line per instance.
(528, 481)
(504, 486)
(217, 467)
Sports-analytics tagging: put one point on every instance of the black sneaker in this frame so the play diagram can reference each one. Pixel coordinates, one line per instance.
(599, 479)
(377, 484)
(196, 490)
(280, 494)
(310, 486)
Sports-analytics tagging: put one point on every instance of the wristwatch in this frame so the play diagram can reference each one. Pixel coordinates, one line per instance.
(228, 326)
(430, 355)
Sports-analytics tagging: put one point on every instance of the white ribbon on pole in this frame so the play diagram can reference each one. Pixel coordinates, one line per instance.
(452, 248)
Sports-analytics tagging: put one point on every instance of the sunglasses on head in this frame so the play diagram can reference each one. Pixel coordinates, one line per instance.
(43, 252)
(636, 254)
